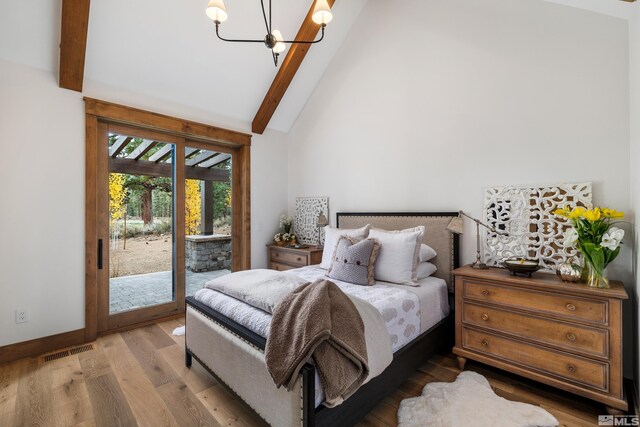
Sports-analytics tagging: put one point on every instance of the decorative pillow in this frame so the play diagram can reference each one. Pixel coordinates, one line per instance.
(427, 253)
(398, 256)
(331, 237)
(425, 269)
(354, 262)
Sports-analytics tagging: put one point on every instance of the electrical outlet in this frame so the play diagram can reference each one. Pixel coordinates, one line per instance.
(22, 315)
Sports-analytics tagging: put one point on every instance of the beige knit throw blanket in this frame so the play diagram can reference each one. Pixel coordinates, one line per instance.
(318, 320)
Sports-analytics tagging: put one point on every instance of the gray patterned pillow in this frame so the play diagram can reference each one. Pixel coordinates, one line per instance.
(354, 262)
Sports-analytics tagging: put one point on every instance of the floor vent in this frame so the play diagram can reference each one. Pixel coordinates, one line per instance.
(56, 356)
(65, 353)
(81, 349)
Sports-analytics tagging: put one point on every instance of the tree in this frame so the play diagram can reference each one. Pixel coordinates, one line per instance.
(145, 185)
(192, 211)
(117, 196)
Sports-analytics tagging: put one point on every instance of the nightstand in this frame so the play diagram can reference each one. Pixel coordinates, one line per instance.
(567, 335)
(283, 258)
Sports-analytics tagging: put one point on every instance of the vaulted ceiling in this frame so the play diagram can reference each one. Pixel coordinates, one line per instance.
(168, 49)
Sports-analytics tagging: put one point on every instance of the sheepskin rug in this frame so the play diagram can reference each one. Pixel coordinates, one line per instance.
(469, 401)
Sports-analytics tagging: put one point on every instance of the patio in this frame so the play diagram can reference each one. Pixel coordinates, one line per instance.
(143, 290)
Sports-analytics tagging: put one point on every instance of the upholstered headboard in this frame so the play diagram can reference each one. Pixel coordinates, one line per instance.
(437, 236)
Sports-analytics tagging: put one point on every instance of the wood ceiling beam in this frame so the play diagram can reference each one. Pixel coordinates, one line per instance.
(142, 149)
(161, 154)
(203, 156)
(293, 60)
(119, 145)
(165, 170)
(221, 157)
(73, 43)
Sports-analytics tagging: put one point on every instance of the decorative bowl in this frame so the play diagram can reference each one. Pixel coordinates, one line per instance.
(569, 271)
(521, 266)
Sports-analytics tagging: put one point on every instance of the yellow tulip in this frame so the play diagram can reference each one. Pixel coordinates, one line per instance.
(612, 213)
(592, 215)
(577, 213)
(562, 212)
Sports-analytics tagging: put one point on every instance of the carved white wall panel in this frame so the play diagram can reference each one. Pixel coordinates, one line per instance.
(304, 223)
(525, 214)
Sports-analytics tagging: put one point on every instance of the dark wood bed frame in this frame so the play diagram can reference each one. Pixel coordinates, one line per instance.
(405, 361)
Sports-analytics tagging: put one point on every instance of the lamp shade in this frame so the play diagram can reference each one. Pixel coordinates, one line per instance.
(217, 11)
(322, 13)
(322, 220)
(456, 225)
(279, 46)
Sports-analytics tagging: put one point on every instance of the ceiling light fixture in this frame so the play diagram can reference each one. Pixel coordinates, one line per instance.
(273, 40)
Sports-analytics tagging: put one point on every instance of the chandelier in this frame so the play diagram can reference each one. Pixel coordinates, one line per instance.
(273, 40)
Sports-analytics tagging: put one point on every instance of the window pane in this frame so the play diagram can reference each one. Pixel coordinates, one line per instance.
(207, 217)
(140, 223)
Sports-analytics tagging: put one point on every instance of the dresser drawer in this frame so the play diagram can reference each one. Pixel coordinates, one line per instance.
(288, 257)
(567, 336)
(280, 267)
(569, 307)
(548, 362)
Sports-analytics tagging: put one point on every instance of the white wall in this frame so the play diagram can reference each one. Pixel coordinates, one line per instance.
(42, 208)
(429, 102)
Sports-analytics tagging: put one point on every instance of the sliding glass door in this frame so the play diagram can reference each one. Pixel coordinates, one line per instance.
(164, 220)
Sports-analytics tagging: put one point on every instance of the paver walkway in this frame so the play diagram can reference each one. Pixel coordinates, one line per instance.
(143, 290)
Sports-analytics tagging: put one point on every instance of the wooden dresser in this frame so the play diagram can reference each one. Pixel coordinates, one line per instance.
(284, 258)
(566, 335)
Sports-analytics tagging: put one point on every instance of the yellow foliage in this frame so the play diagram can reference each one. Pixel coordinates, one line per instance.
(192, 207)
(117, 194)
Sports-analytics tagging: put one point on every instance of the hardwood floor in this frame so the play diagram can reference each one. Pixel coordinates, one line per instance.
(139, 378)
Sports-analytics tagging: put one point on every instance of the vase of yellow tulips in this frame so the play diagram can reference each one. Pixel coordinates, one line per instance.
(594, 235)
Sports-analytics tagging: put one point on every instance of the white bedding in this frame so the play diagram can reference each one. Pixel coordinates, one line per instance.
(407, 311)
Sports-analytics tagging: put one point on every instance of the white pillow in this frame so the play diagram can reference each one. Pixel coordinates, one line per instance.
(427, 253)
(398, 257)
(425, 269)
(331, 237)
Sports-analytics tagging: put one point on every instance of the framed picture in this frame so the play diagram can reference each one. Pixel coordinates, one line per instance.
(304, 222)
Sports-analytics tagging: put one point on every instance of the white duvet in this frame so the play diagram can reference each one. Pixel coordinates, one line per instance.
(407, 311)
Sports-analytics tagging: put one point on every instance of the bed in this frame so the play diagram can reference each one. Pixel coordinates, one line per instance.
(232, 349)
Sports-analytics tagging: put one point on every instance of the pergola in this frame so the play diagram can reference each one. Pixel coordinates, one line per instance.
(200, 164)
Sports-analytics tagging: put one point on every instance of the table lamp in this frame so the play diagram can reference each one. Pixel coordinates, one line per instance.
(456, 226)
(321, 222)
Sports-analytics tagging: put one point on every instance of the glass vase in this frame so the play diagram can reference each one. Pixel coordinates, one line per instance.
(596, 279)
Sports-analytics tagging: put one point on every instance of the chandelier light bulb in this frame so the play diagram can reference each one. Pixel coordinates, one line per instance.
(279, 46)
(217, 11)
(322, 13)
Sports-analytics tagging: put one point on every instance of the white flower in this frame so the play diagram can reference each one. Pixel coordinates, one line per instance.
(570, 237)
(612, 238)
(285, 221)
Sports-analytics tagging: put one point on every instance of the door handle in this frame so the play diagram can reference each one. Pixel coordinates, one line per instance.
(99, 254)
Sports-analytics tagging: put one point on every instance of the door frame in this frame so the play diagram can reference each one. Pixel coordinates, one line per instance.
(100, 116)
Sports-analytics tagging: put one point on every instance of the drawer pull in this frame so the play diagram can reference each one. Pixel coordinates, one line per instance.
(571, 307)
(571, 368)
(484, 292)
(299, 259)
(485, 316)
(485, 343)
(277, 254)
(571, 336)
